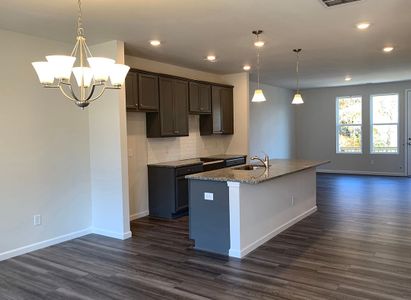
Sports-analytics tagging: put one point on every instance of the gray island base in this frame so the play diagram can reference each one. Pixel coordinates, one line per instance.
(234, 211)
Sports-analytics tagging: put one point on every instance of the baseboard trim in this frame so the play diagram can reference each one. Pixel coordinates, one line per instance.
(353, 172)
(243, 252)
(44, 244)
(139, 215)
(112, 234)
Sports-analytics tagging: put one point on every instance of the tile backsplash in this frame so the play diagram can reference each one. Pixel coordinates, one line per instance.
(194, 145)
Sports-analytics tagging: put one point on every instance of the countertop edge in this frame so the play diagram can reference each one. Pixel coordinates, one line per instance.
(198, 176)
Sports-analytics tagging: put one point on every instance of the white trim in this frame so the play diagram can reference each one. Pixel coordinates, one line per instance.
(352, 172)
(44, 244)
(112, 234)
(243, 252)
(379, 124)
(139, 215)
(406, 133)
(235, 222)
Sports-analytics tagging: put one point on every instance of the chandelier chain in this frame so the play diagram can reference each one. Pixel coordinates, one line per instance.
(297, 71)
(80, 29)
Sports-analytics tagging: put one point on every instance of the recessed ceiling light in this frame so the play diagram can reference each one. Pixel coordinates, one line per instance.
(155, 43)
(211, 58)
(259, 43)
(347, 78)
(247, 68)
(363, 25)
(388, 49)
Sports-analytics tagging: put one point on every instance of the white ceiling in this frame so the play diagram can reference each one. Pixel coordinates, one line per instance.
(191, 29)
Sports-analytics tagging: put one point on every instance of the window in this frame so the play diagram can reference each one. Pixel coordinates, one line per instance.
(384, 123)
(349, 122)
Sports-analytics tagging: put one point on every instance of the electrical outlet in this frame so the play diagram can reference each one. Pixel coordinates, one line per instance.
(37, 220)
(292, 200)
(209, 196)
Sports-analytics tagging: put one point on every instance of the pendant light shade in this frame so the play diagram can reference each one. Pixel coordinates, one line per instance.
(258, 93)
(298, 99)
(258, 96)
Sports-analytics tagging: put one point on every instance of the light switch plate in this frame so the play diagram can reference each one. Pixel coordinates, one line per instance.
(37, 220)
(209, 196)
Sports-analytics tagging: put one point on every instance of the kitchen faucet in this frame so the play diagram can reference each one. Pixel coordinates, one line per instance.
(266, 161)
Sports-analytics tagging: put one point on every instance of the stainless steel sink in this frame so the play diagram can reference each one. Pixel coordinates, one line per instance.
(249, 167)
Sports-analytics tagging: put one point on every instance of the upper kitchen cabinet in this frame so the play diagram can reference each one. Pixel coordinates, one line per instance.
(172, 119)
(200, 98)
(221, 121)
(142, 92)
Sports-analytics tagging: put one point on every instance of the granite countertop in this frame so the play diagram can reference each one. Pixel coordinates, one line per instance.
(278, 168)
(194, 161)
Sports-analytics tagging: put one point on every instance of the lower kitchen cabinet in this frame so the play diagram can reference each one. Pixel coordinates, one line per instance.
(168, 190)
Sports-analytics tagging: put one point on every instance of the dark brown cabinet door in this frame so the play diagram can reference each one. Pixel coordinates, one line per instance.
(217, 115)
(205, 98)
(167, 121)
(221, 121)
(194, 97)
(148, 92)
(227, 110)
(131, 91)
(200, 98)
(180, 95)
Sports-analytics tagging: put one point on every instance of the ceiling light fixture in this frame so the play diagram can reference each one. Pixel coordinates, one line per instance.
(91, 73)
(347, 78)
(298, 99)
(388, 49)
(211, 58)
(258, 93)
(155, 43)
(247, 68)
(363, 25)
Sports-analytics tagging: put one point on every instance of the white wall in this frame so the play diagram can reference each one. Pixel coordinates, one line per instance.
(108, 154)
(316, 132)
(44, 151)
(272, 123)
(142, 151)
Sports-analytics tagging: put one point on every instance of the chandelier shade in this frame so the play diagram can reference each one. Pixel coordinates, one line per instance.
(44, 72)
(101, 67)
(90, 73)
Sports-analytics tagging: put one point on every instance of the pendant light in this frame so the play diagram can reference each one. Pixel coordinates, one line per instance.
(298, 99)
(258, 93)
(90, 73)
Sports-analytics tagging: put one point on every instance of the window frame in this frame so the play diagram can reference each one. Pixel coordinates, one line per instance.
(338, 125)
(372, 124)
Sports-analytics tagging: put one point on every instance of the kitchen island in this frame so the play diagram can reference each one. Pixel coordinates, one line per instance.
(235, 210)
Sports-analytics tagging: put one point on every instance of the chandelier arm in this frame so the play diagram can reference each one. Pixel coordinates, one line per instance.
(98, 96)
(91, 93)
(72, 98)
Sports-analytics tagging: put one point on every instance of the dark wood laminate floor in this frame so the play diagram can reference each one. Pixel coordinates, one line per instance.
(357, 246)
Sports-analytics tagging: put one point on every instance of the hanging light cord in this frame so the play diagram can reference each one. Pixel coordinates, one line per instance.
(297, 71)
(258, 69)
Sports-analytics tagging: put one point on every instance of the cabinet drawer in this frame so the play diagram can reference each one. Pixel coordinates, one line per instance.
(235, 161)
(189, 170)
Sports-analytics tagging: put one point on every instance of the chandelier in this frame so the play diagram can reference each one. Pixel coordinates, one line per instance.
(91, 74)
